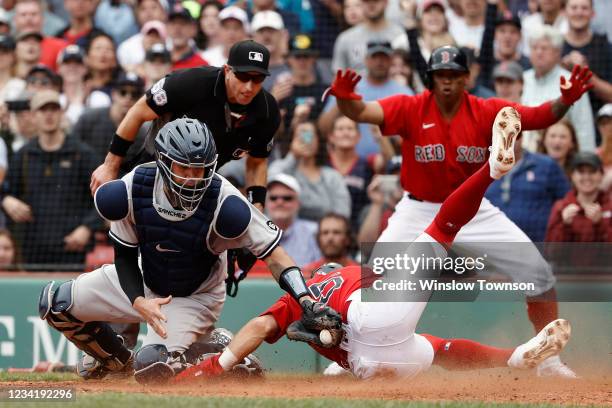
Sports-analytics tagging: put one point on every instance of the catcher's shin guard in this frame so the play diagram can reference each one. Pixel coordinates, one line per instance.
(97, 339)
(153, 363)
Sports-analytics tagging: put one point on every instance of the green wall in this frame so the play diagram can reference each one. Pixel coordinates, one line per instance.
(25, 339)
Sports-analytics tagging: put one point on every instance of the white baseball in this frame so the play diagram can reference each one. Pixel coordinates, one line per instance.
(325, 337)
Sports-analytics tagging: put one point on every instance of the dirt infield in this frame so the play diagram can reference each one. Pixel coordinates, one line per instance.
(436, 385)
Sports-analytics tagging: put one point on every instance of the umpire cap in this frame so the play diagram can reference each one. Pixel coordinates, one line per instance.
(447, 57)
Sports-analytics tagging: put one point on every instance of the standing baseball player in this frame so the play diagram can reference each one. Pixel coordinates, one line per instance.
(445, 134)
(241, 115)
(180, 217)
(379, 337)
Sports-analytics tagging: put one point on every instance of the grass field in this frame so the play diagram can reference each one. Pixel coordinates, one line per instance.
(498, 389)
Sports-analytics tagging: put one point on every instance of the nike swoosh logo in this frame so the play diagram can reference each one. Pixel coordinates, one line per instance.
(160, 249)
(428, 125)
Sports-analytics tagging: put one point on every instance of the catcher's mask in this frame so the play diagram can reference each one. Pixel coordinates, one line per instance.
(187, 144)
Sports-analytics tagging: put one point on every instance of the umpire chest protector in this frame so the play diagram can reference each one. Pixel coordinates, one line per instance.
(175, 257)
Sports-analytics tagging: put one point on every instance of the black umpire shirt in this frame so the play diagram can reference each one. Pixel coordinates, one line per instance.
(199, 93)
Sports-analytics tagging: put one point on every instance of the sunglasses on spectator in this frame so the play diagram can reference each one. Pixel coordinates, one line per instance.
(132, 94)
(246, 77)
(39, 81)
(286, 198)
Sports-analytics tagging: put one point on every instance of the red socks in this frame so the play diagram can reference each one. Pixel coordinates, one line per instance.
(460, 206)
(543, 309)
(462, 354)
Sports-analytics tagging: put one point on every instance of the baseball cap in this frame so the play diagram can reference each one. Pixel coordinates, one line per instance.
(588, 159)
(377, 47)
(287, 181)
(154, 25)
(508, 18)
(248, 55)
(426, 4)
(178, 11)
(605, 111)
(29, 34)
(129, 79)
(41, 68)
(158, 50)
(267, 19)
(235, 13)
(302, 44)
(71, 53)
(7, 42)
(508, 69)
(44, 97)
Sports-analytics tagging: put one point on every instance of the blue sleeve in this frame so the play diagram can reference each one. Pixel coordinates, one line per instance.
(111, 200)
(233, 218)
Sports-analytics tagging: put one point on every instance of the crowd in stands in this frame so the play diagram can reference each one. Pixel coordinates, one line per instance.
(70, 70)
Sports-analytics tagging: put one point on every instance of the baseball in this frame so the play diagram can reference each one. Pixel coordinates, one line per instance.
(325, 337)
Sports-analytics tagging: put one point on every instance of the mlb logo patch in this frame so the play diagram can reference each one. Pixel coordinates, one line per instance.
(255, 56)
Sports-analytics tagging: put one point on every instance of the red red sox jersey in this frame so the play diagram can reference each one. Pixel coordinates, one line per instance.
(438, 155)
(332, 289)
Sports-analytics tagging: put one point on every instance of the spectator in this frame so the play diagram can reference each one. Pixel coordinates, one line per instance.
(559, 142)
(335, 241)
(583, 215)
(116, 19)
(269, 30)
(503, 46)
(322, 188)
(29, 18)
(96, 126)
(583, 47)
(377, 85)
(303, 101)
(10, 85)
(21, 124)
(157, 64)
(604, 124)
(473, 86)
(401, 71)
(101, 61)
(430, 34)
(527, 194)
(468, 29)
(542, 84)
(47, 195)
(350, 48)
(72, 70)
(80, 30)
(290, 20)
(41, 77)
(352, 12)
(508, 81)
(384, 192)
(282, 205)
(550, 14)
(182, 28)
(234, 28)
(8, 251)
(152, 32)
(209, 34)
(27, 53)
(357, 171)
(131, 52)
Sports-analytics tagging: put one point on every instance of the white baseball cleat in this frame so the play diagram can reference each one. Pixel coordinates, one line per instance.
(334, 369)
(554, 367)
(547, 343)
(506, 129)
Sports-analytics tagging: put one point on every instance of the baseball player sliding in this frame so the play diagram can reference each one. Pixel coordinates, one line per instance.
(379, 337)
(445, 134)
(180, 217)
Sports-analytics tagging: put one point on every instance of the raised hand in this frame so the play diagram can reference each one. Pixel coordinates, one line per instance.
(344, 85)
(577, 85)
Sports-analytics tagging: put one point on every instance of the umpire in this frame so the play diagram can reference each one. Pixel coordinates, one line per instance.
(242, 116)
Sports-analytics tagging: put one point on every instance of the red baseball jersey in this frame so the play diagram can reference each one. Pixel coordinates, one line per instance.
(438, 155)
(332, 289)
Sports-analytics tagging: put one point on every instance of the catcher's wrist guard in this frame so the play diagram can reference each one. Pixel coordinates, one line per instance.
(292, 282)
(119, 146)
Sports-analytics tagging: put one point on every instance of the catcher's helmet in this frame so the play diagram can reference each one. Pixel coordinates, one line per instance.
(185, 142)
(447, 57)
